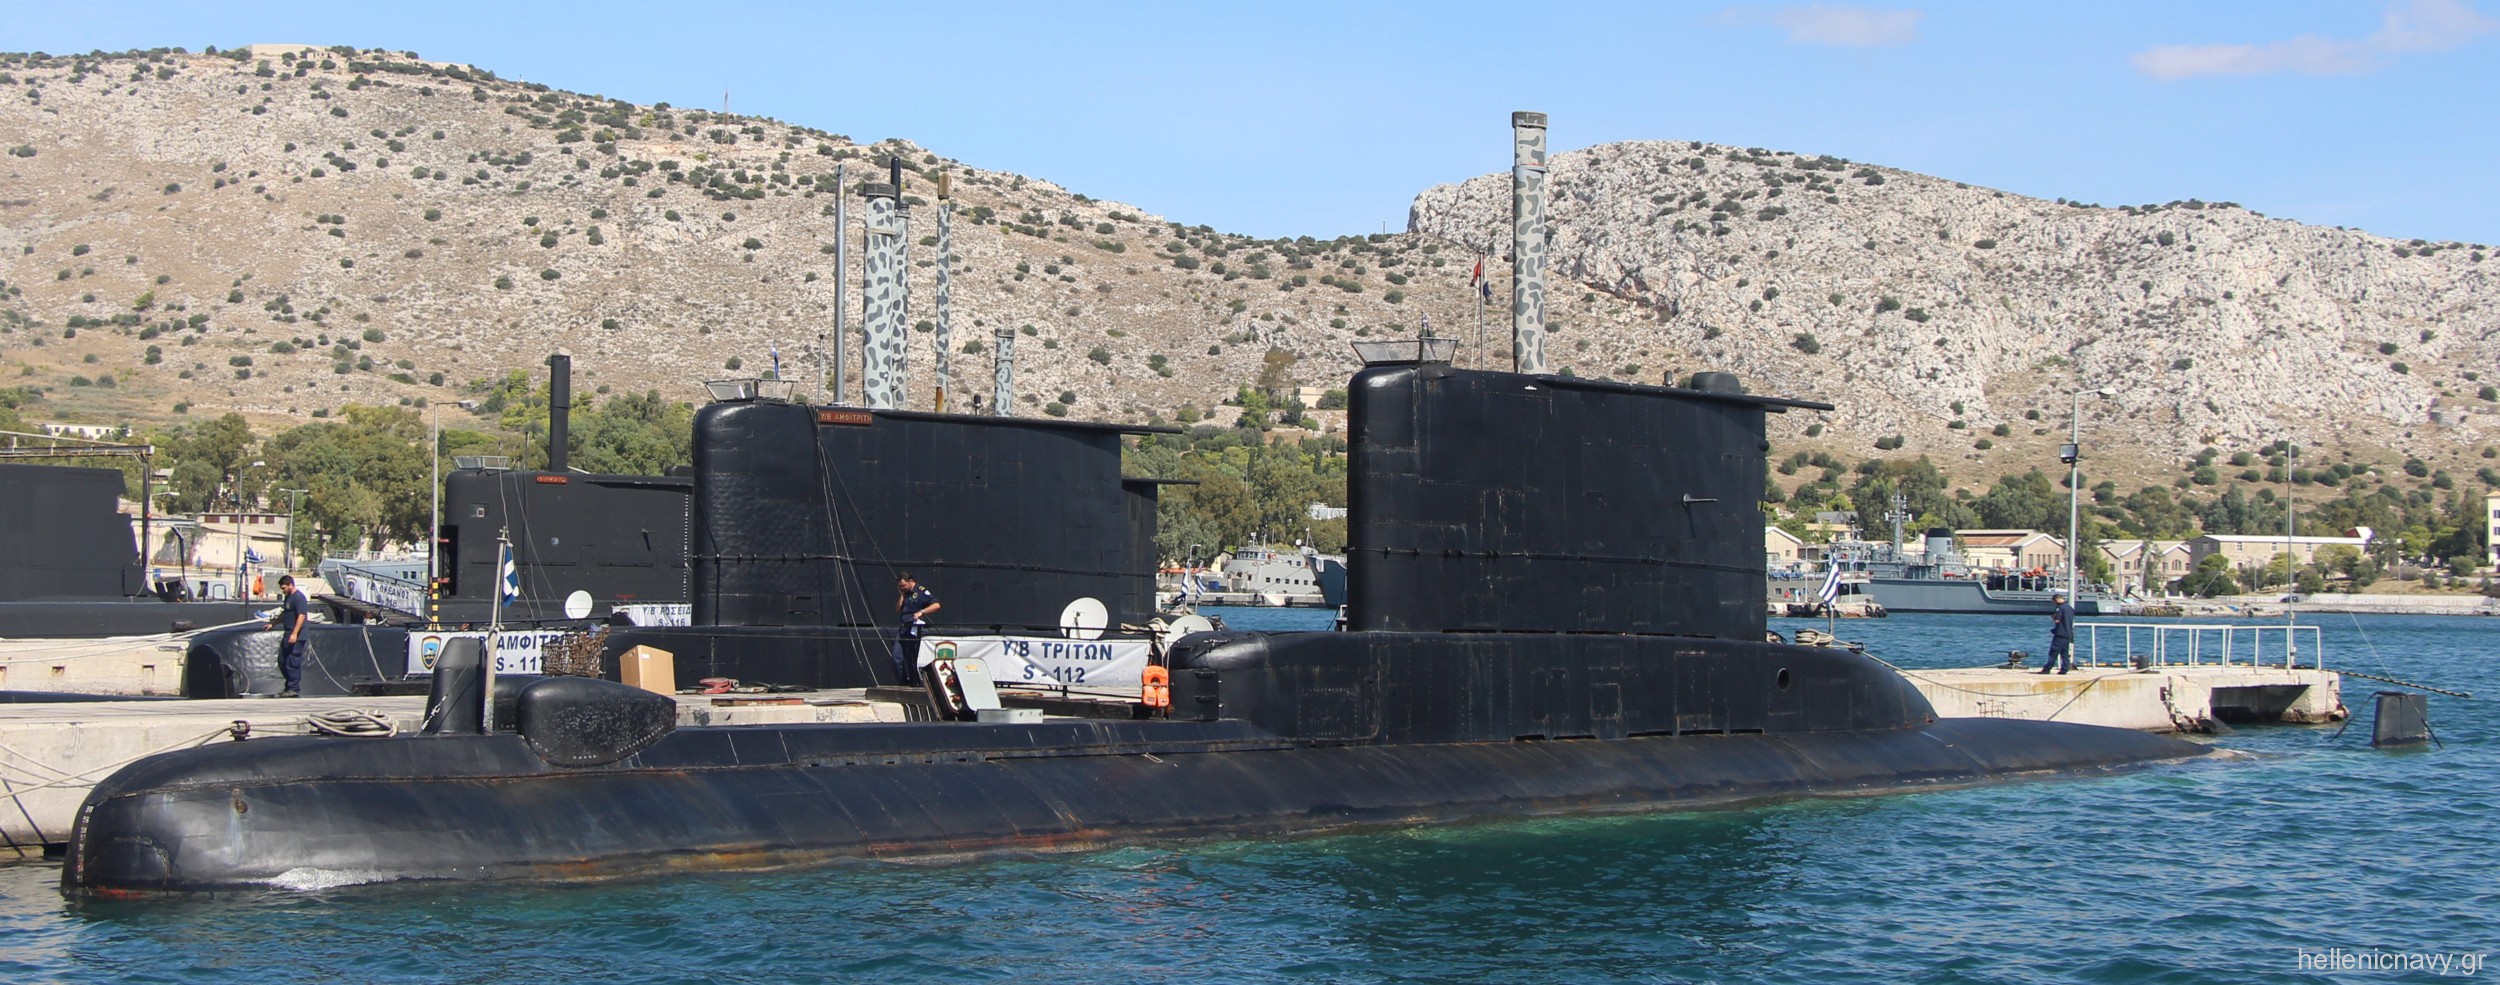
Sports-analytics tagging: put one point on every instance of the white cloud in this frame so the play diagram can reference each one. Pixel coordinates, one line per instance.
(1845, 26)
(2419, 25)
(2431, 25)
(2307, 54)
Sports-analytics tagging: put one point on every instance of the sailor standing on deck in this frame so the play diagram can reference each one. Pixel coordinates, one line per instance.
(2061, 635)
(913, 604)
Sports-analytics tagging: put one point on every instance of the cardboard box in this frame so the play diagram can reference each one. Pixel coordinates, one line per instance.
(649, 668)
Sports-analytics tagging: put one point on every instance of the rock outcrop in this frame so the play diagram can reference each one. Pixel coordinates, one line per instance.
(1919, 302)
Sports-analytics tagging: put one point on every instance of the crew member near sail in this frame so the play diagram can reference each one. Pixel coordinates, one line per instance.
(912, 604)
(293, 613)
(2061, 635)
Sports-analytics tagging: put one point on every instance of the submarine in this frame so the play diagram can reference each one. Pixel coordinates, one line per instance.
(1500, 661)
(1553, 609)
(69, 567)
(772, 557)
(616, 541)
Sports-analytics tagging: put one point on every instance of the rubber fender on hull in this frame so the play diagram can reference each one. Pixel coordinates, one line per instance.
(305, 812)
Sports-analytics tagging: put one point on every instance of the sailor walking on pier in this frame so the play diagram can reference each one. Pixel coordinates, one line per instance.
(2061, 635)
(293, 612)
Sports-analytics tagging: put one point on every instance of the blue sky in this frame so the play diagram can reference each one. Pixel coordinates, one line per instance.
(1288, 118)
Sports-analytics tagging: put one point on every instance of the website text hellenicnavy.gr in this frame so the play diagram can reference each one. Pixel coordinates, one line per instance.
(2457, 963)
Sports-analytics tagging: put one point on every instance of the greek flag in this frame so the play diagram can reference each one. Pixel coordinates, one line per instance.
(251, 555)
(1831, 584)
(511, 577)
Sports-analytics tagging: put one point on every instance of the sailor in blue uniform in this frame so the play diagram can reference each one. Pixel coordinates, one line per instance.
(912, 604)
(293, 613)
(2061, 635)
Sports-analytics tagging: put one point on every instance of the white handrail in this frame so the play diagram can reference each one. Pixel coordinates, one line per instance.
(2190, 644)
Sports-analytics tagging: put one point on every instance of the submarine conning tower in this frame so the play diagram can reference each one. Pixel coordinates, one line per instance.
(803, 515)
(1544, 558)
(1500, 502)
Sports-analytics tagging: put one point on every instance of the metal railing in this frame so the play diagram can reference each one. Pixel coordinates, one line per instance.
(2188, 644)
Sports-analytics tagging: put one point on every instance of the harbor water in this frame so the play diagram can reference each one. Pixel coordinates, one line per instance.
(2306, 857)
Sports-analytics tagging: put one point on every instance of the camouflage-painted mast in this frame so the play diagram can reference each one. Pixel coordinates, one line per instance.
(902, 280)
(1527, 242)
(1003, 397)
(841, 277)
(945, 293)
(881, 298)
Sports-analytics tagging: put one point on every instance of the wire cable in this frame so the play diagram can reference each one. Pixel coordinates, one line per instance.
(118, 644)
(360, 723)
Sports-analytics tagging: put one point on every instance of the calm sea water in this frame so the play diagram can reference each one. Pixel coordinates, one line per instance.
(2231, 870)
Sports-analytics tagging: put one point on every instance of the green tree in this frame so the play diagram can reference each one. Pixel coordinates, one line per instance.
(1275, 369)
(2212, 577)
(2232, 513)
(632, 435)
(209, 461)
(2342, 559)
(2310, 582)
(12, 398)
(2153, 513)
(366, 475)
(2022, 502)
(1919, 482)
(1256, 413)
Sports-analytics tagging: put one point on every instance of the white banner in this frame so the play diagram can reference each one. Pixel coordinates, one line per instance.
(658, 613)
(518, 651)
(1046, 660)
(408, 597)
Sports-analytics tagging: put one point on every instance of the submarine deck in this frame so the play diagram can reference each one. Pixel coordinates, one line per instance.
(52, 753)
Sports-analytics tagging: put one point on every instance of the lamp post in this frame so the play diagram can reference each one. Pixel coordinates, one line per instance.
(2073, 454)
(294, 505)
(242, 582)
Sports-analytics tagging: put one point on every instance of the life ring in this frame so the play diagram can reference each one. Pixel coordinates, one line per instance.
(1155, 688)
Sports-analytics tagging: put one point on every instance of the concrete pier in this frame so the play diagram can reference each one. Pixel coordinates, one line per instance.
(51, 754)
(2158, 677)
(2158, 699)
(140, 665)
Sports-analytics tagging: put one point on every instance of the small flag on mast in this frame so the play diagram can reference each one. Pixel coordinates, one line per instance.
(1831, 584)
(511, 577)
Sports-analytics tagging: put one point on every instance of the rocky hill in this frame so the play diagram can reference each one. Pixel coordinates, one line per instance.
(282, 230)
(1946, 313)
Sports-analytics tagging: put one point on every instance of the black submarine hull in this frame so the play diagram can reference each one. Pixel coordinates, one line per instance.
(309, 813)
(101, 618)
(72, 567)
